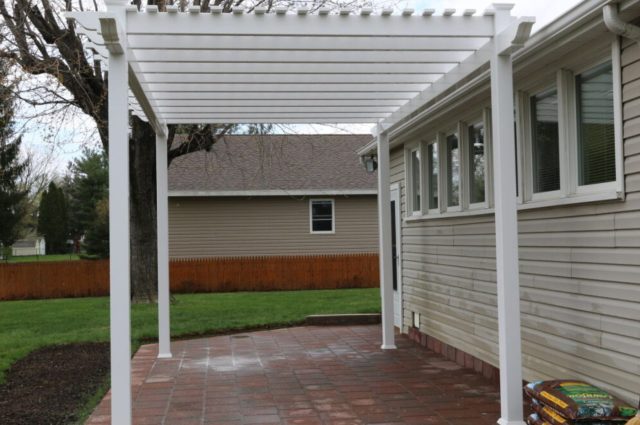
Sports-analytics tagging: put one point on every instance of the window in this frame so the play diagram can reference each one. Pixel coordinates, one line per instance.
(477, 163)
(596, 134)
(545, 142)
(453, 170)
(322, 218)
(433, 172)
(415, 181)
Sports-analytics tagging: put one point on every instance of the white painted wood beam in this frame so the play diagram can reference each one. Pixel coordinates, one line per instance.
(288, 103)
(272, 25)
(119, 235)
(286, 79)
(472, 63)
(283, 96)
(506, 217)
(285, 120)
(172, 110)
(384, 226)
(302, 43)
(144, 101)
(203, 89)
(112, 35)
(249, 116)
(299, 56)
(512, 36)
(162, 204)
(396, 69)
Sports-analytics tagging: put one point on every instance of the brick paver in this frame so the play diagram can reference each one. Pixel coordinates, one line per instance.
(305, 376)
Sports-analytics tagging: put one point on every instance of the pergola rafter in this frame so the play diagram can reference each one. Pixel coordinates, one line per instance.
(295, 67)
(284, 57)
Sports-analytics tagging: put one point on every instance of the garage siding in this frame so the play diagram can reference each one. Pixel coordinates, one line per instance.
(231, 226)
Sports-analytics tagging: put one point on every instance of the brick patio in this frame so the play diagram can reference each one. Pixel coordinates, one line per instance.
(305, 376)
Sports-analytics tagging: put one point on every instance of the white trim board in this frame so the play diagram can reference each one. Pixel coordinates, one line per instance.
(275, 192)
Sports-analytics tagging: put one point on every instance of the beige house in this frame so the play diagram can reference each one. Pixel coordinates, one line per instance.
(577, 117)
(273, 195)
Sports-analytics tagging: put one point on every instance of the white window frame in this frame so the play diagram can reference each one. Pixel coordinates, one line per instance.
(478, 119)
(444, 206)
(427, 181)
(333, 216)
(570, 190)
(410, 149)
(528, 148)
(617, 122)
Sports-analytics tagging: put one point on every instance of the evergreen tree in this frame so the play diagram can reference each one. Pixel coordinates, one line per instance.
(88, 184)
(11, 168)
(96, 240)
(52, 219)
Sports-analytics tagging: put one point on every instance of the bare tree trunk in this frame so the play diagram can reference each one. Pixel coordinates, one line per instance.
(144, 253)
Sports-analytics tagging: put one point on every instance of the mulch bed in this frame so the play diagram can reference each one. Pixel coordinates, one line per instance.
(50, 385)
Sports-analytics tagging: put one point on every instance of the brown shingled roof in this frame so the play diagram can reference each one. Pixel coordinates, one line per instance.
(274, 162)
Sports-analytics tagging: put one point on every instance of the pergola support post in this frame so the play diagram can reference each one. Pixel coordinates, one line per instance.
(162, 217)
(384, 225)
(506, 216)
(119, 234)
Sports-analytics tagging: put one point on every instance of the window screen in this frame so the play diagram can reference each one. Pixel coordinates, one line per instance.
(415, 180)
(476, 151)
(432, 166)
(545, 142)
(596, 135)
(453, 171)
(322, 216)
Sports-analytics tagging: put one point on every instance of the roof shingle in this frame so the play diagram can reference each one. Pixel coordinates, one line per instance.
(274, 162)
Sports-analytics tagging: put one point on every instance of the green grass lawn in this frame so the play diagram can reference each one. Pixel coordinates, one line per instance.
(28, 325)
(37, 258)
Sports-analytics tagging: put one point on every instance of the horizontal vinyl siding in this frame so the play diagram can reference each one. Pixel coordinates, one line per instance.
(216, 227)
(580, 277)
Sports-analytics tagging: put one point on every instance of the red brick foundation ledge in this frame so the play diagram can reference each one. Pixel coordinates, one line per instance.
(453, 354)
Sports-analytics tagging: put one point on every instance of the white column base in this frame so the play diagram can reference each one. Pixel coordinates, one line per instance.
(165, 356)
(507, 422)
(388, 347)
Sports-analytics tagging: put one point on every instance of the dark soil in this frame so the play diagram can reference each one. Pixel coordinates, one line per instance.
(51, 385)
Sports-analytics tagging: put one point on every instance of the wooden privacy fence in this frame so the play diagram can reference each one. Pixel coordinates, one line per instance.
(91, 278)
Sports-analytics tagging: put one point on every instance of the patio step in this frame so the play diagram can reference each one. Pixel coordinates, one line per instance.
(342, 319)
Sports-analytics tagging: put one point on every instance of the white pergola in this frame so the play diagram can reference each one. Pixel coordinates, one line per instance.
(292, 67)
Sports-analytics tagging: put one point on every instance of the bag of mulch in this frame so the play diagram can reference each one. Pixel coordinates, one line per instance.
(579, 401)
(535, 419)
(549, 416)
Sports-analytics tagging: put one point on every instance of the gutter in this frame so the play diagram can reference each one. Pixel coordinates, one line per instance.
(616, 25)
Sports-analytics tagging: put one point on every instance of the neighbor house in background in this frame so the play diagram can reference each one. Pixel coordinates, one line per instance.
(275, 195)
(577, 116)
(32, 245)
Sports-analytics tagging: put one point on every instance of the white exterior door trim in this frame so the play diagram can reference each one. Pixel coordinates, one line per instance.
(397, 302)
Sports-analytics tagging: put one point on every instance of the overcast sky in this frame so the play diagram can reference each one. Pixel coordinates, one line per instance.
(543, 10)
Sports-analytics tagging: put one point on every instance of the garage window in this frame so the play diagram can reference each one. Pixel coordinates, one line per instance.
(322, 216)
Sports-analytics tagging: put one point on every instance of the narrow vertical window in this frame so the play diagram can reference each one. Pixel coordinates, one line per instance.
(477, 163)
(432, 169)
(453, 171)
(545, 142)
(596, 134)
(415, 181)
(322, 216)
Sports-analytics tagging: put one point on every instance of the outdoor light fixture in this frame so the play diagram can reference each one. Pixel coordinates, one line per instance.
(370, 163)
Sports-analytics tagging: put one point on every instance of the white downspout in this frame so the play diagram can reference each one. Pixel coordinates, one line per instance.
(618, 26)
